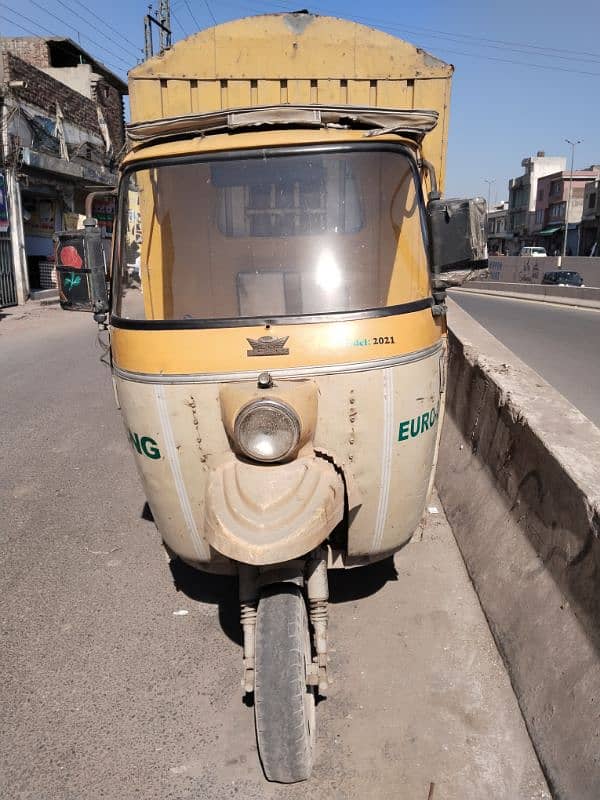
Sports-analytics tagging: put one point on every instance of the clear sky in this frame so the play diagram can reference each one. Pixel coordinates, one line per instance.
(527, 72)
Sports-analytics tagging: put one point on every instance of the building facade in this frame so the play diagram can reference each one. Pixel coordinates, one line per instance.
(63, 134)
(522, 192)
(497, 229)
(549, 223)
(589, 240)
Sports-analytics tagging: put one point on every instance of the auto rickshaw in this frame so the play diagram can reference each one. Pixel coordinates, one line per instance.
(277, 329)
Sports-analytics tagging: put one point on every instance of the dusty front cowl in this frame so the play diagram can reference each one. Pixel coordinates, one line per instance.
(267, 514)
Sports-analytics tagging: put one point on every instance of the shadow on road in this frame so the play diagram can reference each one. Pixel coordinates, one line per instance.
(346, 585)
(222, 590)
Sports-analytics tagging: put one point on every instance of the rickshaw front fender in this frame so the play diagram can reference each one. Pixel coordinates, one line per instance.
(267, 514)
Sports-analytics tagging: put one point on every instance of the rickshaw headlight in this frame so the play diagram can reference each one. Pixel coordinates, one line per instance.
(267, 430)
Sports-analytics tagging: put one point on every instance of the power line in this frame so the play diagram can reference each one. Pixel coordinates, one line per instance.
(487, 43)
(525, 45)
(189, 8)
(175, 17)
(519, 63)
(442, 48)
(96, 16)
(575, 53)
(36, 33)
(209, 11)
(499, 44)
(85, 36)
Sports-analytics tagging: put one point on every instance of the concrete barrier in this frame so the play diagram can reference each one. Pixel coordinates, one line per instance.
(519, 477)
(573, 295)
(519, 269)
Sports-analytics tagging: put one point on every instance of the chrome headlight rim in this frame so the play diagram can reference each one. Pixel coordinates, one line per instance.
(256, 405)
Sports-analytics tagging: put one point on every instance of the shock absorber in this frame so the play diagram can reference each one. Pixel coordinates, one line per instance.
(248, 607)
(317, 589)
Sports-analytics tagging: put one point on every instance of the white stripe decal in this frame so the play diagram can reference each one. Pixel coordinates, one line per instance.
(201, 547)
(386, 458)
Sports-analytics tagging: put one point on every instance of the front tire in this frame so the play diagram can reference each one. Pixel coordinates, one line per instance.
(284, 706)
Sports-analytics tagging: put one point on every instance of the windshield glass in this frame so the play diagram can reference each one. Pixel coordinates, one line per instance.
(271, 235)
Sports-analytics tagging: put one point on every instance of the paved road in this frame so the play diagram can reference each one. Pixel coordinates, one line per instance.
(104, 693)
(562, 344)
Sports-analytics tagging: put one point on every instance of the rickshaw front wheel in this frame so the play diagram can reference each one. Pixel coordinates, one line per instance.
(284, 705)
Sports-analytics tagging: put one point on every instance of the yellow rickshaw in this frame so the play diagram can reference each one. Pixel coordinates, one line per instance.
(277, 331)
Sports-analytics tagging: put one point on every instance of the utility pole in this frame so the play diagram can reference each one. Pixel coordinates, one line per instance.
(489, 182)
(148, 49)
(164, 17)
(573, 145)
(8, 163)
(163, 23)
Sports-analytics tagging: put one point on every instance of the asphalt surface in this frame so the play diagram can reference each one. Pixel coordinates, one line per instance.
(561, 343)
(106, 693)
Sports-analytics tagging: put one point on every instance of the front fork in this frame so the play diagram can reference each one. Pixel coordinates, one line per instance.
(311, 574)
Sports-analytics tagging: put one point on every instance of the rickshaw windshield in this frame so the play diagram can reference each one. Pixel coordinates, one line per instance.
(275, 234)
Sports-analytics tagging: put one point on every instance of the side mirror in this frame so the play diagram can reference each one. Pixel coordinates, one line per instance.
(458, 237)
(81, 270)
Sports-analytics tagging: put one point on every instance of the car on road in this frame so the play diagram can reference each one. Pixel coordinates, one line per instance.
(534, 252)
(562, 277)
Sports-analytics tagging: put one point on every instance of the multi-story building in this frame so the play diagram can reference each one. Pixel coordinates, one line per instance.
(62, 135)
(549, 223)
(497, 229)
(522, 196)
(589, 240)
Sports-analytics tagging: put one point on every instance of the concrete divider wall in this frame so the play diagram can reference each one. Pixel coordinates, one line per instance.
(570, 292)
(519, 477)
(519, 269)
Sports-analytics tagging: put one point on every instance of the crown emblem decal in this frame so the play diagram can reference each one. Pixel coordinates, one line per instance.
(268, 346)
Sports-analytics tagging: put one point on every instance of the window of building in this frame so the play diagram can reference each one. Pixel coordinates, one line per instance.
(557, 211)
(539, 216)
(555, 188)
(592, 200)
(491, 226)
(541, 193)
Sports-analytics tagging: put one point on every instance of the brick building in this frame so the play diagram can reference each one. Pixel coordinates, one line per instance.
(553, 191)
(62, 136)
